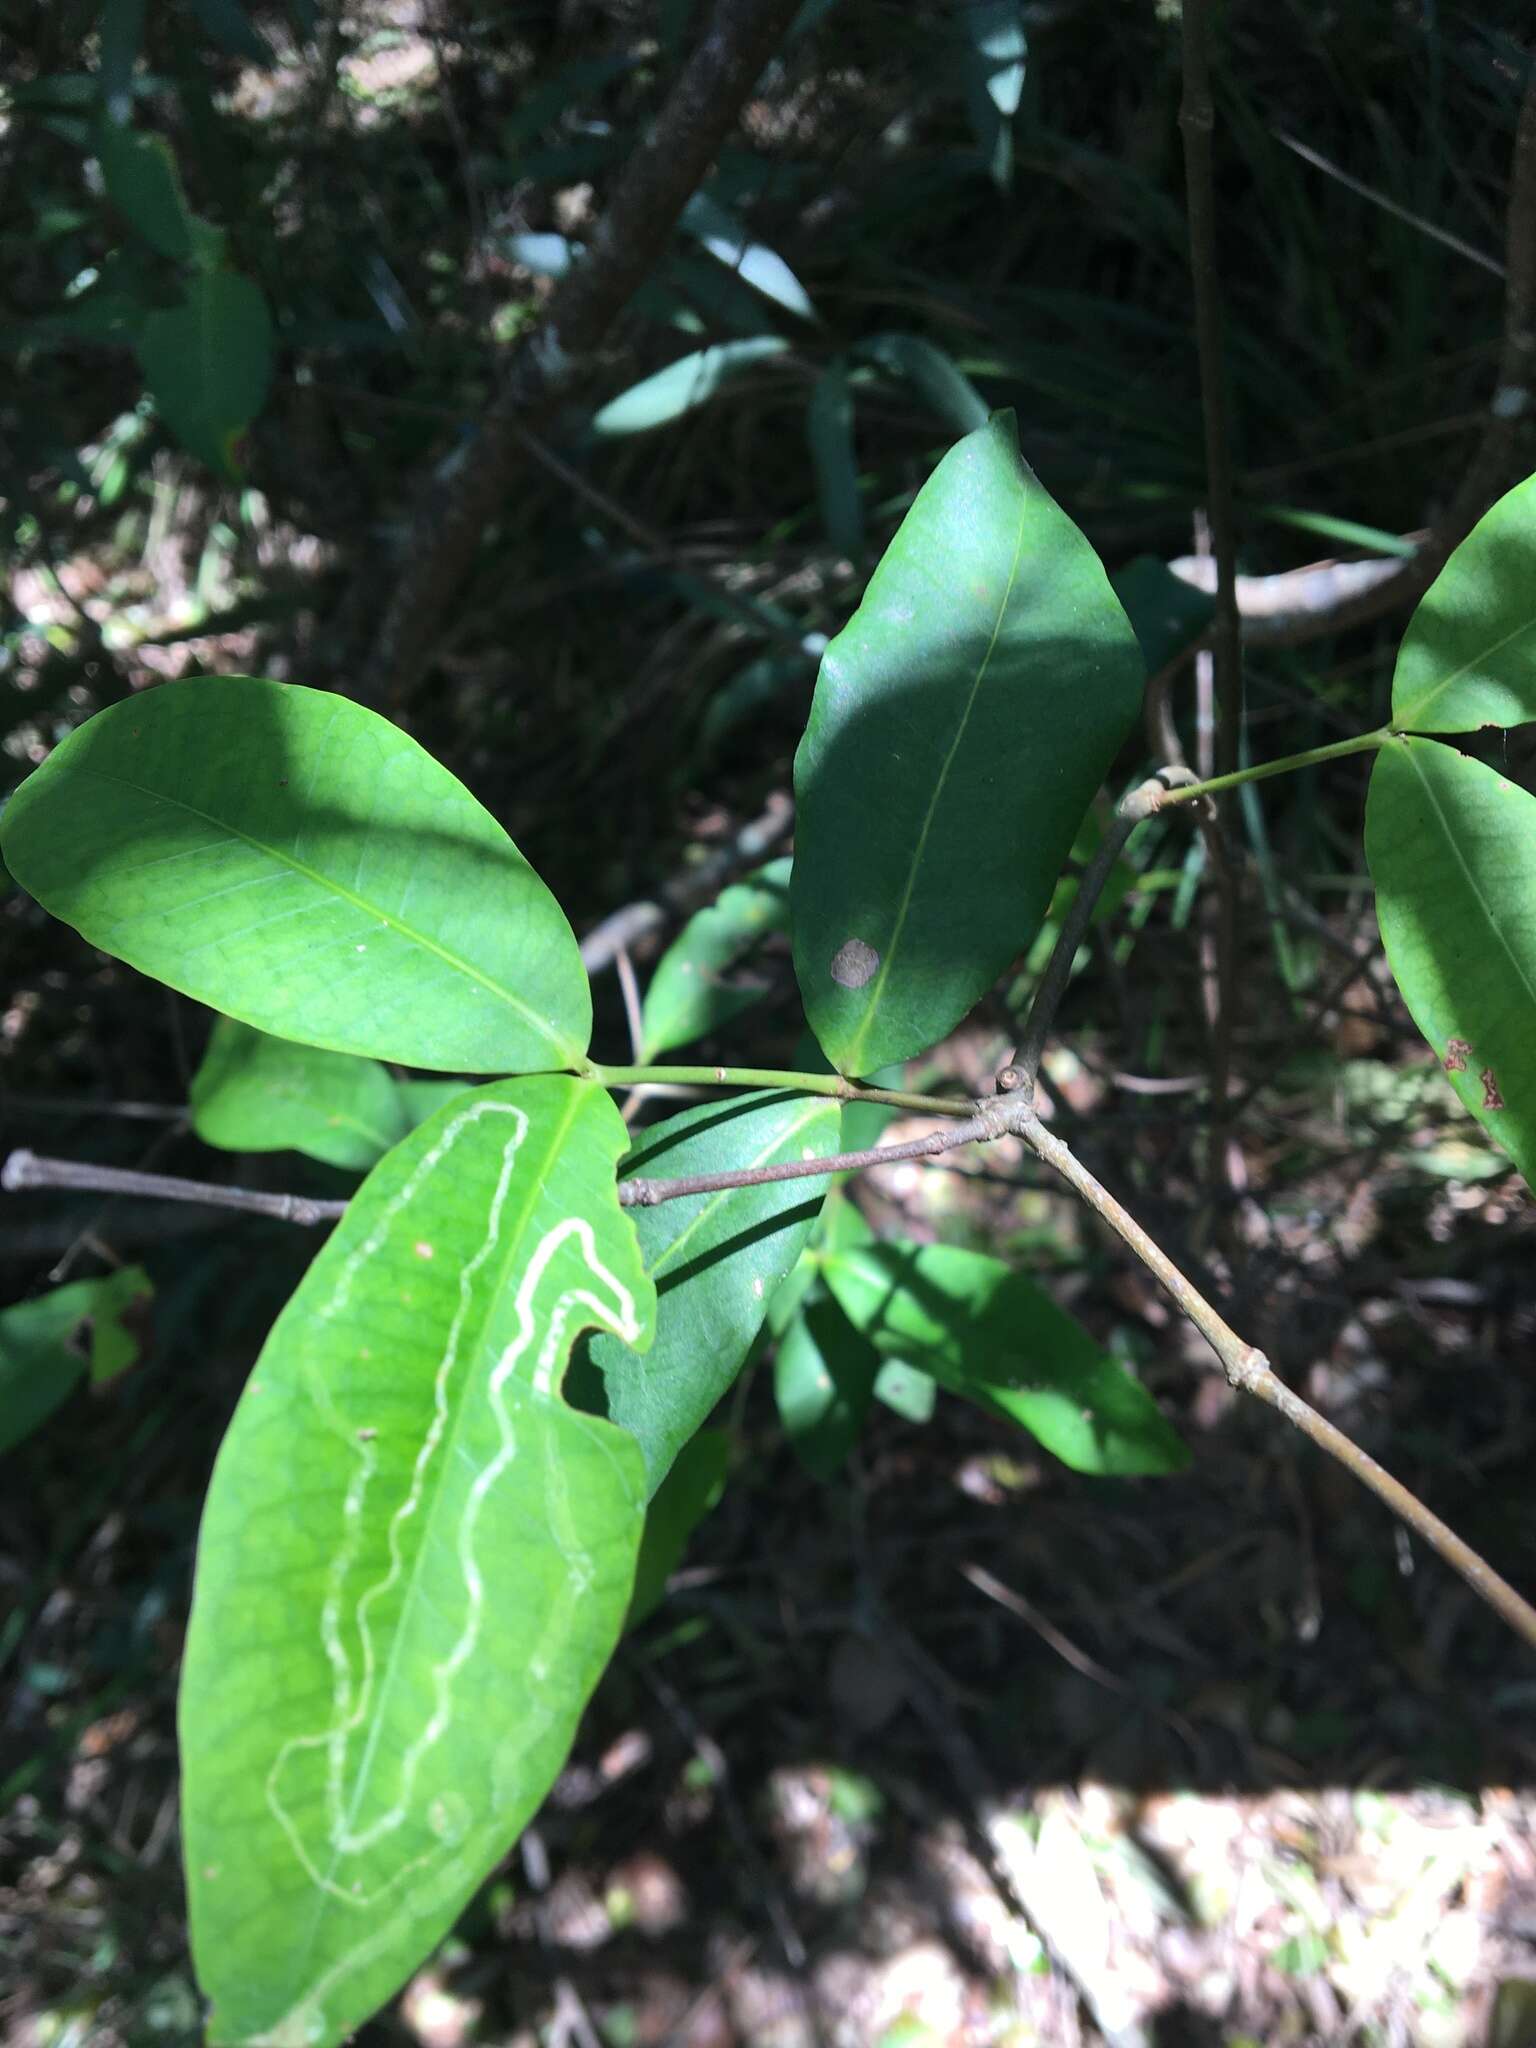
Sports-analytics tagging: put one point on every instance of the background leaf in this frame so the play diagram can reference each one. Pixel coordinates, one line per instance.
(1468, 657)
(688, 995)
(256, 1093)
(715, 1259)
(687, 1494)
(719, 231)
(414, 1561)
(47, 1346)
(823, 1381)
(952, 395)
(683, 386)
(991, 1334)
(961, 724)
(207, 363)
(829, 426)
(142, 181)
(1452, 851)
(298, 862)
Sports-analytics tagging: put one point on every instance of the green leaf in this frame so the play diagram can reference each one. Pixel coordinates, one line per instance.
(906, 1391)
(421, 1099)
(1000, 51)
(994, 1336)
(689, 995)
(823, 1381)
(961, 724)
(1468, 657)
(715, 1259)
(414, 1562)
(207, 363)
(142, 181)
(719, 231)
(1166, 614)
(47, 1346)
(255, 1093)
(829, 427)
(1452, 850)
(682, 387)
(935, 375)
(298, 862)
(688, 1493)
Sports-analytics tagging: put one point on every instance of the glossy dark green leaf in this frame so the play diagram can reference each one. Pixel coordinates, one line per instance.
(1468, 657)
(687, 1494)
(142, 181)
(414, 1562)
(298, 862)
(1452, 851)
(48, 1345)
(993, 1335)
(256, 1093)
(936, 376)
(823, 1380)
(829, 428)
(1166, 614)
(690, 993)
(905, 1391)
(208, 362)
(715, 1260)
(961, 724)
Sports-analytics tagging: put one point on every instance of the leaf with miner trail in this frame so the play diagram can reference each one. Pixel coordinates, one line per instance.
(991, 1334)
(1451, 846)
(1468, 657)
(298, 862)
(961, 723)
(716, 1259)
(414, 1562)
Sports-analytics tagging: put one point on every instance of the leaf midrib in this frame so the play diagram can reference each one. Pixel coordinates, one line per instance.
(1411, 715)
(1471, 880)
(396, 924)
(872, 1008)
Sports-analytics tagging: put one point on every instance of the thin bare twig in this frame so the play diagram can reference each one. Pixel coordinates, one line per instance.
(1247, 1369)
(1139, 804)
(24, 1169)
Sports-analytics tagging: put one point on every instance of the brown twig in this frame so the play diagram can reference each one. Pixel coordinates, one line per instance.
(24, 1169)
(1249, 1370)
(655, 185)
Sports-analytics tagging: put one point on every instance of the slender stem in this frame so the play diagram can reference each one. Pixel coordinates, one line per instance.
(1139, 804)
(1247, 1368)
(639, 1193)
(1197, 121)
(28, 1170)
(1286, 764)
(774, 1077)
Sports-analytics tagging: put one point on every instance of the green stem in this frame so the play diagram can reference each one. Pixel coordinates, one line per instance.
(773, 1077)
(1284, 766)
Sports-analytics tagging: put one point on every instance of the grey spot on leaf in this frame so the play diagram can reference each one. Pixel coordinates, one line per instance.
(853, 963)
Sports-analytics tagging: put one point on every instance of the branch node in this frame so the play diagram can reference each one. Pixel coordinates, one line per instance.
(1247, 1369)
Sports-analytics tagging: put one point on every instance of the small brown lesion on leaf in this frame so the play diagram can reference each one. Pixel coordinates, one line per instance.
(854, 963)
(1457, 1053)
(1492, 1099)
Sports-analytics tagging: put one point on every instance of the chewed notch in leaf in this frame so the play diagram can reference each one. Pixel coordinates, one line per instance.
(414, 1562)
